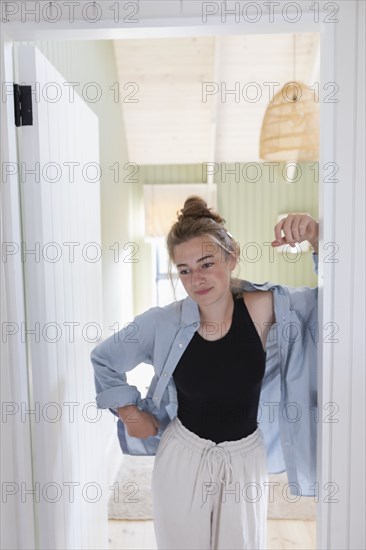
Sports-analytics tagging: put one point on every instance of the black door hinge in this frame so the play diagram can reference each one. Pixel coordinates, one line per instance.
(23, 111)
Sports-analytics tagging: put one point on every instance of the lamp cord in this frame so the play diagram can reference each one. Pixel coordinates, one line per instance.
(294, 64)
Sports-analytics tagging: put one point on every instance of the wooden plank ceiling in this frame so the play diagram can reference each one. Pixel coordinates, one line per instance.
(167, 115)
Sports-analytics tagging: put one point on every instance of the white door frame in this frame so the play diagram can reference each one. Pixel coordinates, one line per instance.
(341, 142)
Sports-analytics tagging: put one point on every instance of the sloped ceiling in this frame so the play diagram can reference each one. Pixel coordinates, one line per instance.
(176, 100)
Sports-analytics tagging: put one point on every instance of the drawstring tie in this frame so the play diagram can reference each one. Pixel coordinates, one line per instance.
(216, 452)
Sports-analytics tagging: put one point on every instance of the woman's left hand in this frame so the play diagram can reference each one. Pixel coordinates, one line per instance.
(297, 228)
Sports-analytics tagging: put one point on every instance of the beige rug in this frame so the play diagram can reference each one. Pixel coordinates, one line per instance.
(131, 499)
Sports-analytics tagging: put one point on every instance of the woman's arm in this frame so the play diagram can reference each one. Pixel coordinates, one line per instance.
(111, 360)
(296, 228)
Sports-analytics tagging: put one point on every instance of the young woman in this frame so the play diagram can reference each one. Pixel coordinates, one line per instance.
(221, 356)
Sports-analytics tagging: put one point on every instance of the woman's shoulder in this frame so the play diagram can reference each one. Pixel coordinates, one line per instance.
(260, 304)
(167, 312)
(258, 294)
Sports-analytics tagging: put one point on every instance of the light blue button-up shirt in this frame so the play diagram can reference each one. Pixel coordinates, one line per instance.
(287, 414)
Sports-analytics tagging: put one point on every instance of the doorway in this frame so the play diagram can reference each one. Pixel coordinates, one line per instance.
(181, 26)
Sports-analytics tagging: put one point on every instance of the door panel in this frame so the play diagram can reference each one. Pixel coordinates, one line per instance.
(60, 210)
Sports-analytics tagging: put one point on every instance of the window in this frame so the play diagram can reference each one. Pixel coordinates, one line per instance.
(164, 289)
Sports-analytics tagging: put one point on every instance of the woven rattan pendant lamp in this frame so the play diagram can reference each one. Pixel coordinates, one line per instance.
(290, 127)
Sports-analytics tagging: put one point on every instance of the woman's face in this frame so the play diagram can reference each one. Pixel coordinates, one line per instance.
(203, 270)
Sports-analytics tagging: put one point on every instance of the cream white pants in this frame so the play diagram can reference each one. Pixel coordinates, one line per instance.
(208, 495)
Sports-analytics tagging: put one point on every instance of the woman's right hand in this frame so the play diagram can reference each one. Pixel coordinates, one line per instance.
(297, 228)
(141, 424)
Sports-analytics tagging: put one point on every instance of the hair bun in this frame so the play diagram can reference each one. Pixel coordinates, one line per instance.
(196, 207)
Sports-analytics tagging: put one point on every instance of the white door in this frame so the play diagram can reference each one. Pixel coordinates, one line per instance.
(61, 252)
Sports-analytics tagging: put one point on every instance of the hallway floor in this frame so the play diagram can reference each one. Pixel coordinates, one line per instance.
(281, 535)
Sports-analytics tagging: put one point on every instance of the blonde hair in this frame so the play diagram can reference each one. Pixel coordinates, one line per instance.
(195, 219)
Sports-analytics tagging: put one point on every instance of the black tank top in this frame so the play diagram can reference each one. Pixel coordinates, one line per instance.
(219, 381)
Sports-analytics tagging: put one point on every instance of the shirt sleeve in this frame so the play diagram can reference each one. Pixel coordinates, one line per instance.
(118, 354)
(315, 260)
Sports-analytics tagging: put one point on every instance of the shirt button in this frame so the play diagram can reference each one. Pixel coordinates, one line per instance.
(155, 398)
(180, 345)
(283, 319)
(165, 374)
(194, 324)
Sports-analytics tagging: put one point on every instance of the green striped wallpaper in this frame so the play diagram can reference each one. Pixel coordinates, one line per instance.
(250, 198)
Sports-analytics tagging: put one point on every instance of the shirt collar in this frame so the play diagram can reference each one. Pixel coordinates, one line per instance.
(190, 311)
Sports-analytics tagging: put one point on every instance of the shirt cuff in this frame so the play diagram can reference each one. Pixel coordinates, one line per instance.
(118, 396)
